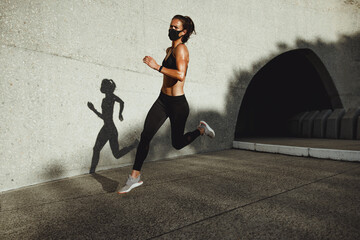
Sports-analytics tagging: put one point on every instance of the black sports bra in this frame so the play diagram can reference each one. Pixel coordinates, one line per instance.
(170, 62)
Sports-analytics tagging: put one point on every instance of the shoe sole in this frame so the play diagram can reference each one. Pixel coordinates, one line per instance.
(132, 187)
(209, 128)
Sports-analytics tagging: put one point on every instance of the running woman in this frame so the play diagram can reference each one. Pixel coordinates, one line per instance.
(108, 132)
(172, 102)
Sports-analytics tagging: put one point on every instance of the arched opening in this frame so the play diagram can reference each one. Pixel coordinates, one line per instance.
(293, 82)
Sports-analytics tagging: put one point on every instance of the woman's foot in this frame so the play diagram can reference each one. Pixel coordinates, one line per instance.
(131, 183)
(208, 131)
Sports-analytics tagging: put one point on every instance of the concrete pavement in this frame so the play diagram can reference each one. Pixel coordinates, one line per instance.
(231, 194)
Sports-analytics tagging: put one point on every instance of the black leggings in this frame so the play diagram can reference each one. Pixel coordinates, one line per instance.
(177, 109)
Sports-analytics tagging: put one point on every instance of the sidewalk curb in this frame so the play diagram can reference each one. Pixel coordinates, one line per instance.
(334, 154)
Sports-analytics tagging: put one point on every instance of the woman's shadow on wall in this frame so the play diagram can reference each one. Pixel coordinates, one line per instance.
(108, 132)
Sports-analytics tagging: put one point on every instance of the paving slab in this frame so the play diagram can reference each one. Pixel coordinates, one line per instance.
(333, 123)
(341, 144)
(320, 123)
(233, 194)
(343, 150)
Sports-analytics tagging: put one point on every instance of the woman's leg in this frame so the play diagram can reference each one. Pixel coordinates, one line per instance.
(114, 144)
(154, 119)
(178, 115)
(101, 140)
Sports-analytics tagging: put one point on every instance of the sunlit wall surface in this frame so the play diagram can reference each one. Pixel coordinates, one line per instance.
(54, 55)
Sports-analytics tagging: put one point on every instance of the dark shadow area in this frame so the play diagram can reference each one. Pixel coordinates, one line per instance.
(292, 82)
(107, 184)
(108, 132)
(54, 171)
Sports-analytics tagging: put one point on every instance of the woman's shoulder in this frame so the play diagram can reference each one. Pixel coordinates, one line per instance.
(110, 97)
(181, 48)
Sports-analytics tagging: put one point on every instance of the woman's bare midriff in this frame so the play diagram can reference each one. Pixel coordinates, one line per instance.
(172, 87)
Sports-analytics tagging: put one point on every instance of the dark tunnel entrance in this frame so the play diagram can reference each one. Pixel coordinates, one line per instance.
(293, 82)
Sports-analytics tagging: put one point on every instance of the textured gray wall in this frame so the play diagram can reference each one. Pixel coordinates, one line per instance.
(54, 55)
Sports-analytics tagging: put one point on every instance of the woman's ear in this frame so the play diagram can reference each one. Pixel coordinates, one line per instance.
(184, 31)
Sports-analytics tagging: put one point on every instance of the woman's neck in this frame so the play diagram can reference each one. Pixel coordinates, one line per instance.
(176, 43)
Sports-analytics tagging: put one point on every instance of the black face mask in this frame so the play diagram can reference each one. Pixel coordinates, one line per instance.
(173, 34)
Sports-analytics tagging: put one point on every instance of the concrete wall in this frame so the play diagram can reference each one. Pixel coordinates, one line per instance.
(54, 55)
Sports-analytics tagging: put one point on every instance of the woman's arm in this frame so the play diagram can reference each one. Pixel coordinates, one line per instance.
(91, 106)
(182, 59)
(121, 102)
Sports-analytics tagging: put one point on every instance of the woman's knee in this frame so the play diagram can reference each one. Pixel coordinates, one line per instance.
(97, 148)
(177, 145)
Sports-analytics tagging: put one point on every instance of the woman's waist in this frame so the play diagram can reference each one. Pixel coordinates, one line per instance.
(171, 97)
(109, 122)
(172, 91)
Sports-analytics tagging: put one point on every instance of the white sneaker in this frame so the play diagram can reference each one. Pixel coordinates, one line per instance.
(131, 183)
(208, 130)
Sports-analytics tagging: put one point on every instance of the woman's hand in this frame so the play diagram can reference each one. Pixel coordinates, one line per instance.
(151, 62)
(91, 106)
(121, 118)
